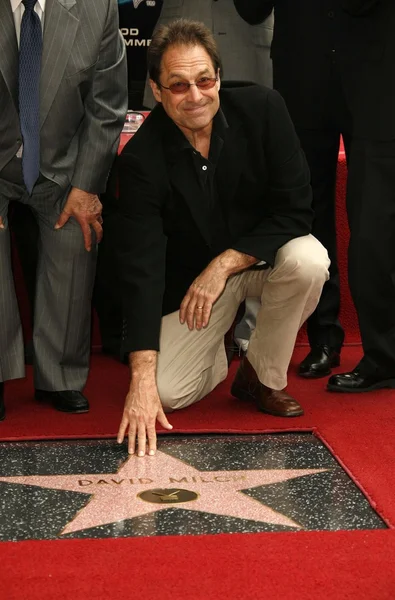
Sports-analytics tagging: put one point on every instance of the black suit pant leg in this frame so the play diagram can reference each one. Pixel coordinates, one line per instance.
(107, 300)
(321, 147)
(371, 213)
(26, 235)
(107, 290)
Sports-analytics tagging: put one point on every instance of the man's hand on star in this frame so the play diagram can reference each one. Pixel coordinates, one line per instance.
(86, 208)
(142, 409)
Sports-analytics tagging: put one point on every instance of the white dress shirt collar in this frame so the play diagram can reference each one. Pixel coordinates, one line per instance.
(15, 4)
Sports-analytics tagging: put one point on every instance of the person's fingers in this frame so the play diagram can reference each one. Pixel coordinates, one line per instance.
(163, 419)
(1, 223)
(122, 429)
(190, 312)
(98, 230)
(206, 313)
(132, 438)
(151, 436)
(63, 218)
(199, 309)
(99, 206)
(183, 308)
(141, 438)
(86, 232)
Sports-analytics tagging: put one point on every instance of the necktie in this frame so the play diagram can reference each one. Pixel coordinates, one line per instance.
(30, 51)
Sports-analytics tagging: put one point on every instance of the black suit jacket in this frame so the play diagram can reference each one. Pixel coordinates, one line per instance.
(163, 239)
(311, 36)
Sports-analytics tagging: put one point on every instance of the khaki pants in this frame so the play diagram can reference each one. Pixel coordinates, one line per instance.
(192, 363)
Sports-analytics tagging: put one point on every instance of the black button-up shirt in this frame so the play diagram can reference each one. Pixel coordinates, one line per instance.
(204, 170)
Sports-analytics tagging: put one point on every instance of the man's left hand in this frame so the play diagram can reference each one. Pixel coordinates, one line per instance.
(198, 302)
(86, 208)
(206, 289)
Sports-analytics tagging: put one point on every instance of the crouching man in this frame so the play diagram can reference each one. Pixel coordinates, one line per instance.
(215, 207)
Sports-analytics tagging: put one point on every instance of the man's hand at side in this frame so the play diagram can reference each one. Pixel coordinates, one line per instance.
(198, 302)
(142, 405)
(86, 208)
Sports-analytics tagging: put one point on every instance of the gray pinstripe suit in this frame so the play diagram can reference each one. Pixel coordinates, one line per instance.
(83, 101)
(244, 48)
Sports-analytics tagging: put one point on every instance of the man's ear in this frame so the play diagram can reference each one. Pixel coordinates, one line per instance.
(156, 90)
(219, 80)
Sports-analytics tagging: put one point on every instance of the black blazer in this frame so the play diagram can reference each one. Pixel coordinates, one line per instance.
(163, 241)
(310, 35)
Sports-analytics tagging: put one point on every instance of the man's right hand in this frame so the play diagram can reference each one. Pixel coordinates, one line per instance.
(142, 409)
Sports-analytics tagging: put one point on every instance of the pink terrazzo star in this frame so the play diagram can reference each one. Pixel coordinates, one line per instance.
(115, 498)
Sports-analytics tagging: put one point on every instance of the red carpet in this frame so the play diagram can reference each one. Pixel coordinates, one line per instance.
(272, 566)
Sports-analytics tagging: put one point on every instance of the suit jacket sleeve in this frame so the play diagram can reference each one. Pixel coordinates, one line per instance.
(254, 11)
(140, 248)
(105, 109)
(289, 214)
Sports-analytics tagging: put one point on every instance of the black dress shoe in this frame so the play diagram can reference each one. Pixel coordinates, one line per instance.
(319, 362)
(355, 382)
(2, 407)
(66, 401)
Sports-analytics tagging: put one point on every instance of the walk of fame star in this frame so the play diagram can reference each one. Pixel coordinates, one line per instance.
(151, 484)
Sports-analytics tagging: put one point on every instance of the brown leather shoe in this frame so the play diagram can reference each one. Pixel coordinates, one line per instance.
(246, 386)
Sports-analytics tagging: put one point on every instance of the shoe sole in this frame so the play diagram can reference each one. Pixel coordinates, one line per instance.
(246, 397)
(315, 375)
(319, 374)
(76, 411)
(387, 383)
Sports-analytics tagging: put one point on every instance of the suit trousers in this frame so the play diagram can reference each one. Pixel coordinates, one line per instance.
(371, 257)
(62, 319)
(321, 147)
(192, 363)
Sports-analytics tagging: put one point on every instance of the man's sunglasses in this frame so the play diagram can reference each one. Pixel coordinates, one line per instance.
(181, 87)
